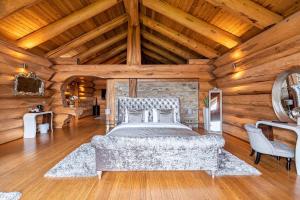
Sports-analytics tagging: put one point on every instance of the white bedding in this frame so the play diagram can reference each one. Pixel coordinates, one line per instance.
(151, 129)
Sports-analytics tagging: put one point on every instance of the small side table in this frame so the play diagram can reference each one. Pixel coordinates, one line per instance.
(30, 123)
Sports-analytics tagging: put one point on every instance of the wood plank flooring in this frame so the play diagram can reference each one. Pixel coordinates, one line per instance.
(23, 164)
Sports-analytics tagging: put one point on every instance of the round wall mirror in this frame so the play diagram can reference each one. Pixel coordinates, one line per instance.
(286, 95)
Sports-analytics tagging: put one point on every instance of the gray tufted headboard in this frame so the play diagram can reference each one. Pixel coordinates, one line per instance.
(147, 104)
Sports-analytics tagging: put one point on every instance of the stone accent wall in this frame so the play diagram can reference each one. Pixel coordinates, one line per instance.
(186, 91)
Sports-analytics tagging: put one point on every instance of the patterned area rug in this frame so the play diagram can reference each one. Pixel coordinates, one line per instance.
(10, 195)
(81, 163)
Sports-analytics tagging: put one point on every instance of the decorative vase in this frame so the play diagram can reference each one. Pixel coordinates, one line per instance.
(206, 118)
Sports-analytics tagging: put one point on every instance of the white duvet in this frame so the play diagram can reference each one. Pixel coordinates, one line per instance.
(151, 129)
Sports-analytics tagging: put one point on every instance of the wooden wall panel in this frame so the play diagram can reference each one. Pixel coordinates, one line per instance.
(12, 108)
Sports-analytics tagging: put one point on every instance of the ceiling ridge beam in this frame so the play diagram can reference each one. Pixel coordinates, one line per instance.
(167, 45)
(257, 15)
(107, 55)
(102, 45)
(50, 31)
(163, 53)
(179, 38)
(84, 38)
(195, 24)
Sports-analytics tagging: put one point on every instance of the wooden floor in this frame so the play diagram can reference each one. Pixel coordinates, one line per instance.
(23, 164)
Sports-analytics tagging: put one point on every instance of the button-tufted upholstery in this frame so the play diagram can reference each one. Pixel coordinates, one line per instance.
(147, 104)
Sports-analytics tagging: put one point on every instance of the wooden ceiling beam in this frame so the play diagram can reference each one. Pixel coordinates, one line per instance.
(102, 45)
(167, 45)
(179, 38)
(101, 58)
(132, 9)
(256, 14)
(50, 31)
(64, 72)
(117, 59)
(88, 36)
(157, 56)
(163, 53)
(208, 30)
(8, 7)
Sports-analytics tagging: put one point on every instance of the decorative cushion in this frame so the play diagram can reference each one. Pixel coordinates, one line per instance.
(136, 116)
(163, 116)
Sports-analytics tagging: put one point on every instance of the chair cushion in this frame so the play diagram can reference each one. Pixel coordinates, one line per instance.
(282, 150)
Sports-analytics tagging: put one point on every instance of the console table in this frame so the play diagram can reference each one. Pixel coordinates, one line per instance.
(288, 126)
(30, 123)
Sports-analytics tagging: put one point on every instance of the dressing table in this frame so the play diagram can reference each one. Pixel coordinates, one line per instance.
(30, 123)
(288, 126)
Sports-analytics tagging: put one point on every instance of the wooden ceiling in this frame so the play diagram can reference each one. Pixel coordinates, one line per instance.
(172, 31)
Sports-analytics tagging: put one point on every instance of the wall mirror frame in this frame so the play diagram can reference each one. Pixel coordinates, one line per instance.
(215, 110)
(28, 85)
(284, 112)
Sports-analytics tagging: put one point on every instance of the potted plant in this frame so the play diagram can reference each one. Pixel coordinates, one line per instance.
(206, 112)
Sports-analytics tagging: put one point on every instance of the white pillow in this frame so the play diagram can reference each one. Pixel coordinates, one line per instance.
(156, 115)
(145, 116)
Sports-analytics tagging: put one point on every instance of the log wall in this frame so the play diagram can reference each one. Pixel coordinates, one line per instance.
(115, 73)
(247, 73)
(12, 108)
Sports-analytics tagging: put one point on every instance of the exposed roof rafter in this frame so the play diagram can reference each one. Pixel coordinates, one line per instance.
(102, 45)
(208, 30)
(167, 45)
(50, 31)
(116, 22)
(101, 58)
(179, 38)
(256, 14)
(163, 53)
(156, 56)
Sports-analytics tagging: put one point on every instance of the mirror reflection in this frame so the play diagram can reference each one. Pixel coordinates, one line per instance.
(215, 123)
(28, 84)
(290, 95)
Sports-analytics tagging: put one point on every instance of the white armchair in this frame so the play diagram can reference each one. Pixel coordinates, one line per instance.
(261, 145)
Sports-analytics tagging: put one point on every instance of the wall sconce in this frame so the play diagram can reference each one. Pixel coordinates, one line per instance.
(23, 69)
(234, 65)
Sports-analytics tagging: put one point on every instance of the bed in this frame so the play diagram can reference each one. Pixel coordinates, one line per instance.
(155, 146)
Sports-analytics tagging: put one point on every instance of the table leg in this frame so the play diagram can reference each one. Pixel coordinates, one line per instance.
(51, 122)
(297, 156)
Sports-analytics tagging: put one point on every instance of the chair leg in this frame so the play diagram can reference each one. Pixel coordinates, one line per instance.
(288, 164)
(252, 152)
(257, 159)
